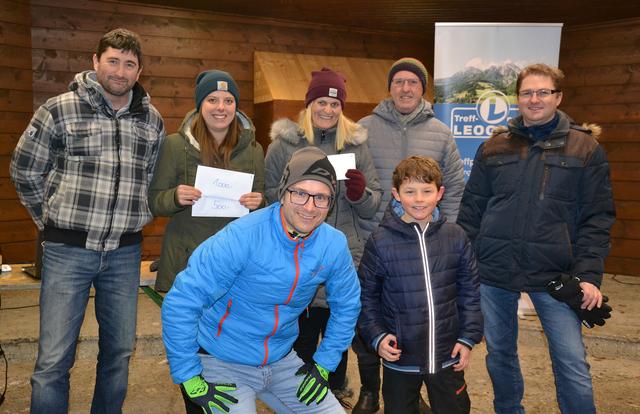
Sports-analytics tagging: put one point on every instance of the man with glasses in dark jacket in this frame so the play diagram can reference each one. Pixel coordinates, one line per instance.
(539, 205)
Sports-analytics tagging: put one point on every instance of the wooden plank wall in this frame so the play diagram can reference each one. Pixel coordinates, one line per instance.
(177, 44)
(17, 232)
(602, 67)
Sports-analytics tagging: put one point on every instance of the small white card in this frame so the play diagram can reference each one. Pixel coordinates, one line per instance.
(341, 163)
(221, 190)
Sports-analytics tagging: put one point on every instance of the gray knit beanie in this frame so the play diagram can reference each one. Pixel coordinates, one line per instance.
(308, 163)
(412, 65)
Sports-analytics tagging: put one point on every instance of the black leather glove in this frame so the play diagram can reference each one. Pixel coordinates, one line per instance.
(597, 316)
(314, 385)
(566, 288)
(209, 395)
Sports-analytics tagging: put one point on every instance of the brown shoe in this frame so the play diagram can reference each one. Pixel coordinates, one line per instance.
(368, 403)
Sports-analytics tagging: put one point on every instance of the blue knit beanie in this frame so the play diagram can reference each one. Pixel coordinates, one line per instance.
(214, 80)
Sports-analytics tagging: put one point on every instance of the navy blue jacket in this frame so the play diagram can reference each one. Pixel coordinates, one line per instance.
(536, 208)
(421, 286)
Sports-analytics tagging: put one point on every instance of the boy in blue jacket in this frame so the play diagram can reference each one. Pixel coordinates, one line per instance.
(420, 295)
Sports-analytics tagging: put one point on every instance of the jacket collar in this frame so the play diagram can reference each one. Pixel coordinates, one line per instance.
(89, 90)
(393, 221)
(245, 138)
(290, 132)
(282, 232)
(556, 139)
(386, 111)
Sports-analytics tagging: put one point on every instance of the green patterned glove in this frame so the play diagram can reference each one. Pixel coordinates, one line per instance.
(209, 395)
(314, 385)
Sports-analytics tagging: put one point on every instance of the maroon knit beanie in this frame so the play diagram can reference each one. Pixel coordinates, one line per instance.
(326, 82)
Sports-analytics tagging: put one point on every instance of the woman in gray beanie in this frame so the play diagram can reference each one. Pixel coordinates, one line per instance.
(322, 124)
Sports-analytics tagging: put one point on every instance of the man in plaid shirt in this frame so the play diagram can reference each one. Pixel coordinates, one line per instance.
(81, 169)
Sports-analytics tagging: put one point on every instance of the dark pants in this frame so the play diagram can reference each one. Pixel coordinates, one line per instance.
(313, 323)
(446, 389)
(368, 365)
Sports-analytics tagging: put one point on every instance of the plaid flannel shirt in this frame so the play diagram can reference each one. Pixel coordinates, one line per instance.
(82, 166)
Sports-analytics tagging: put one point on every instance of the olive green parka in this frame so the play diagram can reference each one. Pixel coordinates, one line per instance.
(179, 158)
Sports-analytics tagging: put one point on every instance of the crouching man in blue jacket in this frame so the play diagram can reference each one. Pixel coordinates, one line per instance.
(231, 317)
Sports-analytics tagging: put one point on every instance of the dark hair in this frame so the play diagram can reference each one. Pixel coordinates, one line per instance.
(418, 168)
(212, 155)
(120, 39)
(541, 69)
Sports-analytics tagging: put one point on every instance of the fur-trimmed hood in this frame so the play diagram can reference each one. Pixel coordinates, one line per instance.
(289, 131)
(596, 130)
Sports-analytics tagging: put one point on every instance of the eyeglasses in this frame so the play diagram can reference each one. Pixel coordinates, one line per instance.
(301, 198)
(400, 82)
(541, 93)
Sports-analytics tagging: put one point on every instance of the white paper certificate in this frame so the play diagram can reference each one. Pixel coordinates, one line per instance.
(221, 190)
(341, 163)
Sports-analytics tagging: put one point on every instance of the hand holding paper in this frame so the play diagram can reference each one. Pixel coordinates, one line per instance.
(251, 200)
(221, 192)
(187, 195)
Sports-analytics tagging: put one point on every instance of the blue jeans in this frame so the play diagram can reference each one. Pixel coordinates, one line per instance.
(562, 328)
(67, 275)
(275, 384)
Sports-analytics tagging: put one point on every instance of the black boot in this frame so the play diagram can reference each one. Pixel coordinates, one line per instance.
(368, 402)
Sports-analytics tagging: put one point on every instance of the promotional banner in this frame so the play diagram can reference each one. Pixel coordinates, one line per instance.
(475, 70)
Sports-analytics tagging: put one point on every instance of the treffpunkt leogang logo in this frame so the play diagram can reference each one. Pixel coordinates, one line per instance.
(474, 102)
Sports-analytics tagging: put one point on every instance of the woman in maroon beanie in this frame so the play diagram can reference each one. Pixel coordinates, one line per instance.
(322, 124)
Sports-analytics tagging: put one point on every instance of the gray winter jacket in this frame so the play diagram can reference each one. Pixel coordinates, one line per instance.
(390, 142)
(287, 137)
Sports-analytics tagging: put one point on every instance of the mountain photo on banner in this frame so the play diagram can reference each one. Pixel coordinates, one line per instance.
(470, 83)
(476, 67)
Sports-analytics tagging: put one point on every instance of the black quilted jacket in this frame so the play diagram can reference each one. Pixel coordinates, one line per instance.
(421, 286)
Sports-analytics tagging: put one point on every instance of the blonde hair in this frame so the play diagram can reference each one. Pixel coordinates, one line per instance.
(344, 132)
